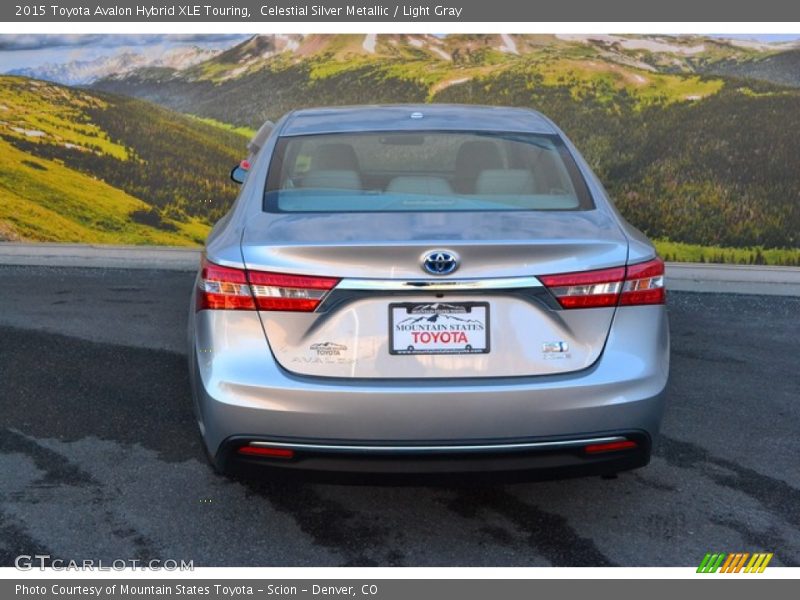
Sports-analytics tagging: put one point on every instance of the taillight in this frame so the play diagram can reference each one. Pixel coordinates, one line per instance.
(642, 283)
(587, 289)
(227, 288)
(276, 291)
(223, 288)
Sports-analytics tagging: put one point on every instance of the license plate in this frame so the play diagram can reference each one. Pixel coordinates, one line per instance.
(439, 328)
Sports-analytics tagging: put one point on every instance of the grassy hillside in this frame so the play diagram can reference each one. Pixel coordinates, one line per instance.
(92, 167)
(43, 200)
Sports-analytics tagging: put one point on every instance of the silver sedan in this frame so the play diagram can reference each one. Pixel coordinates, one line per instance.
(430, 289)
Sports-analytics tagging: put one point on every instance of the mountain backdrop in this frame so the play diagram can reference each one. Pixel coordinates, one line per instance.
(82, 72)
(696, 138)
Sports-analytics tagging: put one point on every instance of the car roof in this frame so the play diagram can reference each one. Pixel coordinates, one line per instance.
(398, 117)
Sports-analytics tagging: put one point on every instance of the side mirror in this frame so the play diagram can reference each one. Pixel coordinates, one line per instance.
(239, 172)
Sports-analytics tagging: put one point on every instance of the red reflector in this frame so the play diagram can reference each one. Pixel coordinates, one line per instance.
(610, 447)
(266, 452)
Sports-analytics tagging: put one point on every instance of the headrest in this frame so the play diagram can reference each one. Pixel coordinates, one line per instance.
(495, 182)
(334, 156)
(336, 179)
(433, 186)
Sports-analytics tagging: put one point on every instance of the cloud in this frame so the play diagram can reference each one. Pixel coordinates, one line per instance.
(10, 43)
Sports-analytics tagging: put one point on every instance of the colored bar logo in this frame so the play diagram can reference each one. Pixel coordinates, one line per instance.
(735, 562)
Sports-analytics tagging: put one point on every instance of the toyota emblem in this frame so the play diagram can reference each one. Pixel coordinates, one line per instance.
(440, 262)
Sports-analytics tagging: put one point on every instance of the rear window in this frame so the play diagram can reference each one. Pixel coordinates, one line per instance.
(423, 171)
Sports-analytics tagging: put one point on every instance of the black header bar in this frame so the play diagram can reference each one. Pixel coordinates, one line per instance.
(468, 11)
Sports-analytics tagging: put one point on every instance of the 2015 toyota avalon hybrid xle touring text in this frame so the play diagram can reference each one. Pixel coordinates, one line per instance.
(430, 289)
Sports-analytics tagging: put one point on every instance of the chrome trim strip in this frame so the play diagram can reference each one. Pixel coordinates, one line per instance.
(497, 283)
(460, 448)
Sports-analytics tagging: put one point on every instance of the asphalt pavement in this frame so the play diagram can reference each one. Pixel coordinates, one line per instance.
(100, 457)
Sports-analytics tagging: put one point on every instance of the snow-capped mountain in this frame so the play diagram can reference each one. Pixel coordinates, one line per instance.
(82, 72)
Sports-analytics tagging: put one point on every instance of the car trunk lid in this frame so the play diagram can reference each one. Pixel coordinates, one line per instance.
(518, 328)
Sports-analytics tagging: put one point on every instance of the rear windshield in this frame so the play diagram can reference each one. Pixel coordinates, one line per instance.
(423, 171)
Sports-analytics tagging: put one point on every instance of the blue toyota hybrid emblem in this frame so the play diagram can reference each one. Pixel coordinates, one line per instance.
(440, 262)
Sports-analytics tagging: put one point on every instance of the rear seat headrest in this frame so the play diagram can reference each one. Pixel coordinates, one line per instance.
(337, 179)
(334, 156)
(406, 184)
(504, 182)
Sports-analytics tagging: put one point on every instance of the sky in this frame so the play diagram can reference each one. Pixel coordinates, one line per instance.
(31, 51)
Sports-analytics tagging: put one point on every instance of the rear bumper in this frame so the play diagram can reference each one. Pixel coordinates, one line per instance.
(520, 461)
(242, 394)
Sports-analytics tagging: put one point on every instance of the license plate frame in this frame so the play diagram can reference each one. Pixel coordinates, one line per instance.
(477, 313)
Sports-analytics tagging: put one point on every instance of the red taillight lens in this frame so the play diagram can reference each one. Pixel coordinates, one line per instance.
(226, 288)
(610, 447)
(642, 283)
(266, 452)
(276, 291)
(223, 288)
(588, 289)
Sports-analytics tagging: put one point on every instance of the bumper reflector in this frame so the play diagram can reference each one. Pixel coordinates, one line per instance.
(266, 452)
(610, 447)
